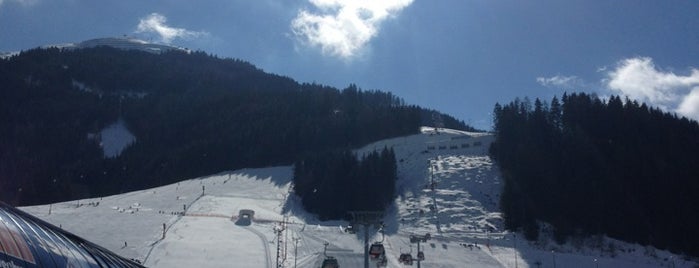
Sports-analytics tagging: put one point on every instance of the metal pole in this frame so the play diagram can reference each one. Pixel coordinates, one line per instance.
(286, 238)
(673, 261)
(296, 251)
(418, 253)
(366, 246)
(553, 254)
(514, 236)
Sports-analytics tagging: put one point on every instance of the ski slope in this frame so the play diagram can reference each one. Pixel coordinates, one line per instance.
(447, 186)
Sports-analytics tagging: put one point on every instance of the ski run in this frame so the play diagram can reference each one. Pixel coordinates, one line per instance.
(448, 187)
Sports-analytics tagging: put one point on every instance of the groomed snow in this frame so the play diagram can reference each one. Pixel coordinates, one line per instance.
(203, 228)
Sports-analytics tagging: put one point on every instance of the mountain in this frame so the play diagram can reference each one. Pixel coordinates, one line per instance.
(108, 116)
(124, 43)
(447, 186)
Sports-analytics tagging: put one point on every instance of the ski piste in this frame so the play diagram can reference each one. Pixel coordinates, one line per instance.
(447, 187)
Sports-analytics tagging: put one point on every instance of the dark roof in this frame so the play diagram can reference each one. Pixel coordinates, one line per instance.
(27, 241)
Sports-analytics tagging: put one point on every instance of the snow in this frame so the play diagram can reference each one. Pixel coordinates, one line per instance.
(7, 55)
(202, 227)
(115, 138)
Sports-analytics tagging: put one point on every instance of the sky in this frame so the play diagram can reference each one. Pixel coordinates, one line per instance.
(456, 56)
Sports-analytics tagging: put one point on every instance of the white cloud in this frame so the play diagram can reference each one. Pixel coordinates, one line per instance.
(563, 82)
(689, 106)
(155, 23)
(343, 27)
(639, 79)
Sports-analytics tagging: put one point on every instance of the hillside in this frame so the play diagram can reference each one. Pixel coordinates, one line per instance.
(590, 166)
(103, 117)
(209, 232)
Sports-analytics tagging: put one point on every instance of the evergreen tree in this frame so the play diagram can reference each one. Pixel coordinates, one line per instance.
(593, 167)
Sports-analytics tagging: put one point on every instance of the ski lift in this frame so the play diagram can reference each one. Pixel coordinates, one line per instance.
(421, 256)
(406, 258)
(330, 262)
(383, 262)
(376, 250)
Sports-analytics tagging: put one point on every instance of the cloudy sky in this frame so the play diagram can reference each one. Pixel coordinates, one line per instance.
(457, 56)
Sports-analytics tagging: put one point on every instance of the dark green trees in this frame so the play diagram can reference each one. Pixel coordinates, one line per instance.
(332, 183)
(589, 166)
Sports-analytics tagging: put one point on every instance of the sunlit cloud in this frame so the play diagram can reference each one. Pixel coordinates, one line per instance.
(561, 82)
(639, 79)
(156, 24)
(343, 27)
(689, 106)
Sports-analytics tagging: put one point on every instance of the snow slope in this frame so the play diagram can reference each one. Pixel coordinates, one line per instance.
(448, 187)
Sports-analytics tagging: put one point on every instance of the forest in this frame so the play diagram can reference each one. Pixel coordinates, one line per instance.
(193, 114)
(333, 183)
(599, 166)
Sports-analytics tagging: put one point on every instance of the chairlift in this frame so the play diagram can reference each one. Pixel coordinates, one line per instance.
(376, 250)
(421, 256)
(383, 262)
(406, 258)
(330, 262)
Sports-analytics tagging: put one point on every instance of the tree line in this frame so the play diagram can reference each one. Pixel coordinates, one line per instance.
(593, 166)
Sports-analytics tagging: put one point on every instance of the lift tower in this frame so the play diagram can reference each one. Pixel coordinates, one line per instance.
(366, 219)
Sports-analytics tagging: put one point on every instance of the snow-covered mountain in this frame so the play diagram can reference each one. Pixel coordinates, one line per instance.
(125, 43)
(448, 187)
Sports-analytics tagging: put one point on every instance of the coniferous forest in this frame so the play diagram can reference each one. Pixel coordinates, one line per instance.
(591, 166)
(192, 114)
(333, 183)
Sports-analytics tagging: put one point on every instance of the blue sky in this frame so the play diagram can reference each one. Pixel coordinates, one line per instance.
(457, 56)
